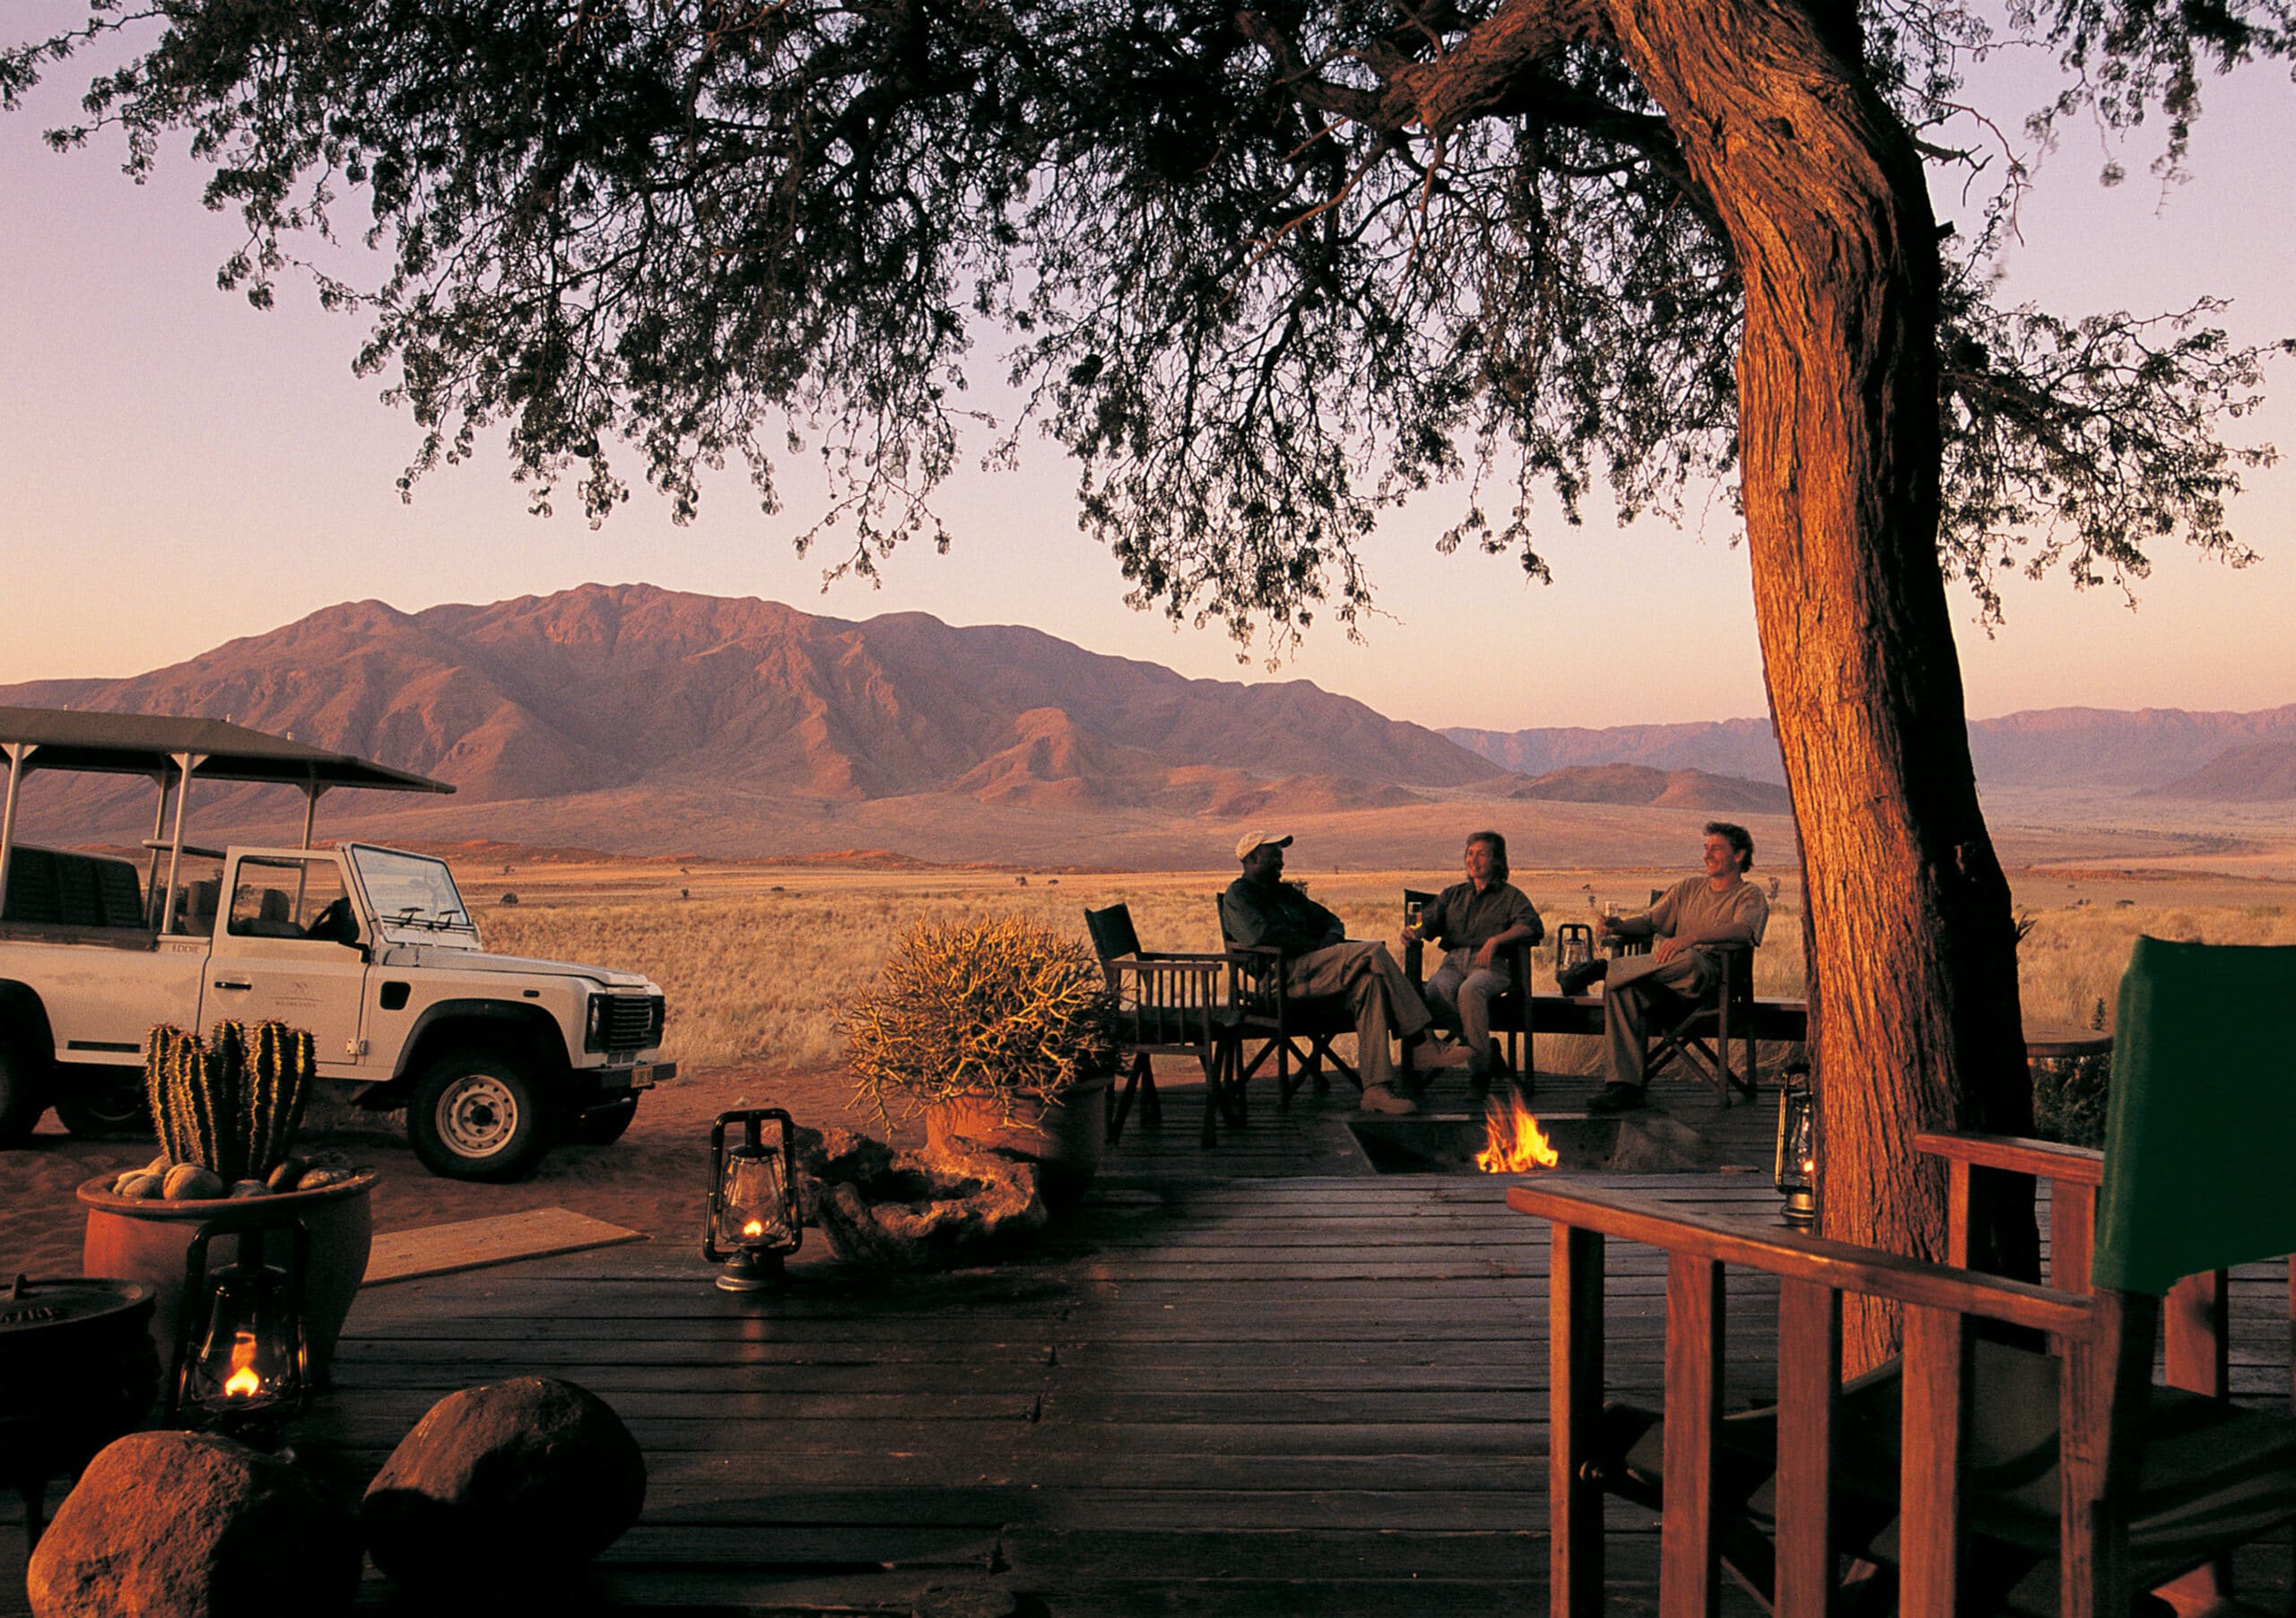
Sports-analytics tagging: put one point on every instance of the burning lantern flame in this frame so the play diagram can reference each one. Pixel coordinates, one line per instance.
(754, 1228)
(1514, 1143)
(243, 1383)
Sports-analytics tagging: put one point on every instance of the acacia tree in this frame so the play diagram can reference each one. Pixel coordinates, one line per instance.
(1264, 271)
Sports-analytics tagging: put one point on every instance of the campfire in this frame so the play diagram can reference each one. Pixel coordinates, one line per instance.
(1513, 1141)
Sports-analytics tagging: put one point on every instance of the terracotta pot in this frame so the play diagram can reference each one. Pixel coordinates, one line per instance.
(1063, 1138)
(146, 1239)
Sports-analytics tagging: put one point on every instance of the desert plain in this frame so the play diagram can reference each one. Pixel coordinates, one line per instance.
(756, 956)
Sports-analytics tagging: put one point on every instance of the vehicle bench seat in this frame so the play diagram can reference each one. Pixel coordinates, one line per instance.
(58, 887)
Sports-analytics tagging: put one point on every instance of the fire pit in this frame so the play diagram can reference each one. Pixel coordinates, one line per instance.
(1520, 1143)
(77, 1370)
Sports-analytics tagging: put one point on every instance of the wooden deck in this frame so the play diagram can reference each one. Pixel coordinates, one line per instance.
(1257, 1379)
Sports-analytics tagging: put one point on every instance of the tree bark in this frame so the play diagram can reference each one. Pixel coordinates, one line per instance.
(1914, 1019)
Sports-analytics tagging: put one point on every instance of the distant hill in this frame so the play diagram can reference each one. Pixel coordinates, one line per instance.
(1639, 786)
(2161, 749)
(2263, 772)
(1745, 748)
(721, 710)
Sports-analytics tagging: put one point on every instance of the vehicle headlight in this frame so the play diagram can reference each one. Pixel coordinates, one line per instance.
(594, 1022)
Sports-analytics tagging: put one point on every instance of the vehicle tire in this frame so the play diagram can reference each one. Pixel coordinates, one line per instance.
(95, 1105)
(476, 1117)
(604, 1126)
(23, 1091)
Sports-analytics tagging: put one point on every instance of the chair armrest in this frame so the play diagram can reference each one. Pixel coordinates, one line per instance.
(1256, 977)
(2073, 1174)
(1163, 969)
(1838, 1266)
(2018, 1154)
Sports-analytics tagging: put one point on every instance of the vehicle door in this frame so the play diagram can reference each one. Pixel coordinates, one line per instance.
(279, 954)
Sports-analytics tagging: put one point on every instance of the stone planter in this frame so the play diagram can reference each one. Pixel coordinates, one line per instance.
(146, 1239)
(1063, 1138)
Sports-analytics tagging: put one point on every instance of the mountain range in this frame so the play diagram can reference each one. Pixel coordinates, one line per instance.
(639, 720)
(2166, 753)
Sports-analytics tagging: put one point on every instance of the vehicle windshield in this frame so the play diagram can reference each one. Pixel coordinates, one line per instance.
(411, 892)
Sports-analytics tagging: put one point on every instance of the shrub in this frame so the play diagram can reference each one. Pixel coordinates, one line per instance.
(2069, 1099)
(1006, 1007)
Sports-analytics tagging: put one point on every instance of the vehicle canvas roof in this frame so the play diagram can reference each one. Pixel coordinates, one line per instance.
(147, 745)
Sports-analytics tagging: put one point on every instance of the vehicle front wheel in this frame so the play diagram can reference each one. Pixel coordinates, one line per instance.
(476, 1117)
(103, 1103)
(603, 1126)
(23, 1096)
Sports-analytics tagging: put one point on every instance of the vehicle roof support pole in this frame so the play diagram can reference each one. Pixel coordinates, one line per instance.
(151, 904)
(186, 763)
(19, 756)
(311, 791)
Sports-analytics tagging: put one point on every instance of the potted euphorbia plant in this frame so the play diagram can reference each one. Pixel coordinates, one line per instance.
(227, 1110)
(998, 1032)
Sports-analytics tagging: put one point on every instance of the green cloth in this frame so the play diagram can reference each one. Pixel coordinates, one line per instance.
(2202, 1120)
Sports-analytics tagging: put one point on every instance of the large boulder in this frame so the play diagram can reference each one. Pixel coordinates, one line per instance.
(189, 1525)
(514, 1483)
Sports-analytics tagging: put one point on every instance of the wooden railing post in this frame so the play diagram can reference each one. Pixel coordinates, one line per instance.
(1689, 1563)
(1575, 1364)
(2196, 1347)
(1934, 1438)
(1809, 1397)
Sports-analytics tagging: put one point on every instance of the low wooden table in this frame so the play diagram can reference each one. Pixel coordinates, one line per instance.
(2046, 1044)
(1787, 1022)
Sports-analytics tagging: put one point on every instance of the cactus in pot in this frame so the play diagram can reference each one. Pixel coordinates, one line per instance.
(227, 1110)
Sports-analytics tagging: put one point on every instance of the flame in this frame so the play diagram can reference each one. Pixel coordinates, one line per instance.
(243, 1383)
(1513, 1141)
(755, 1227)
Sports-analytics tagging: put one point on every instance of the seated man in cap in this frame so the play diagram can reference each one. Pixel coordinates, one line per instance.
(1259, 908)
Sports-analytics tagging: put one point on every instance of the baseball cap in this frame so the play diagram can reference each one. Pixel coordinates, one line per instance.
(1254, 839)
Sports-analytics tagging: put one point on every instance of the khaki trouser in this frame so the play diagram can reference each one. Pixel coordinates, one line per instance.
(1384, 1001)
(1632, 987)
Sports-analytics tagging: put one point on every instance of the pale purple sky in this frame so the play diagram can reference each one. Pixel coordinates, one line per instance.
(180, 470)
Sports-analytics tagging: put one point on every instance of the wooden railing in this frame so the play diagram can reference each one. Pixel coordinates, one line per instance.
(1942, 1307)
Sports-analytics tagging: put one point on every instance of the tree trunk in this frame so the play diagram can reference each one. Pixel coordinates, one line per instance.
(1915, 1020)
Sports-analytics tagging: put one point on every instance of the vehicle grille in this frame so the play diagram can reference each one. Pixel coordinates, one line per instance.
(631, 1022)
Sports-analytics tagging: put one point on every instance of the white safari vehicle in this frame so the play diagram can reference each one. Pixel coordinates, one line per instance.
(369, 948)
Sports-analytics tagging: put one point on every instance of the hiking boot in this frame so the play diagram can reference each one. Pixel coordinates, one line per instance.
(1378, 1098)
(1617, 1098)
(1575, 979)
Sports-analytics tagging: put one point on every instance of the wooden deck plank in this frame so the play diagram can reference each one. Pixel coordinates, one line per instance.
(1253, 1380)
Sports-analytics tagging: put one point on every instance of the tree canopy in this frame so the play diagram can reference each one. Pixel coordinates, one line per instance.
(1263, 272)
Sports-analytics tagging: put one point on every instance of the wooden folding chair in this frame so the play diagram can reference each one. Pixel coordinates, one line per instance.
(1168, 1003)
(1509, 1011)
(1972, 1475)
(1700, 1035)
(1291, 1028)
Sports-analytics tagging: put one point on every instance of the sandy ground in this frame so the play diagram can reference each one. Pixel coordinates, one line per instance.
(652, 1179)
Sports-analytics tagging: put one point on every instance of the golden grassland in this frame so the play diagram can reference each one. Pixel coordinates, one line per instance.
(756, 960)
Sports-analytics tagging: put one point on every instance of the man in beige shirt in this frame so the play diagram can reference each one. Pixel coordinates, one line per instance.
(1697, 913)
